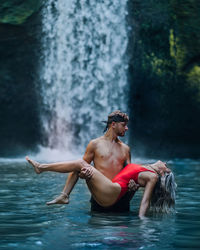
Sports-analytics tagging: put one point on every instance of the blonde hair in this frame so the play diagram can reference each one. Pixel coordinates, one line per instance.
(164, 194)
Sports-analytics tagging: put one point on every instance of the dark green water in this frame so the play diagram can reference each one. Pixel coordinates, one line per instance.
(27, 223)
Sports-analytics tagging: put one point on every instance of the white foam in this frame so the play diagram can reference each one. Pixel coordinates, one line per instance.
(83, 74)
(54, 155)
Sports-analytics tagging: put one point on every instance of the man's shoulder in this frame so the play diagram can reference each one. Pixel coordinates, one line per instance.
(125, 146)
(97, 143)
(94, 142)
(97, 140)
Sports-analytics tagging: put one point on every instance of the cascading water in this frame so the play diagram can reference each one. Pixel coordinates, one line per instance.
(83, 75)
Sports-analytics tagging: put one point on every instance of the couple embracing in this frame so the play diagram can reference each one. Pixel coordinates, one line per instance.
(112, 180)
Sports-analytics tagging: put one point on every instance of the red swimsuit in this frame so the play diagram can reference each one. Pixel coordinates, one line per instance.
(131, 171)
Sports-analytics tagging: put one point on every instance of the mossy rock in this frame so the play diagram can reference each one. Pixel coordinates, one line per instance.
(16, 12)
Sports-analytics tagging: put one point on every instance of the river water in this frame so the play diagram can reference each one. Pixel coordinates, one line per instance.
(27, 223)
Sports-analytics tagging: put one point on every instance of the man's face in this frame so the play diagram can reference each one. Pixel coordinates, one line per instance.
(121, 128)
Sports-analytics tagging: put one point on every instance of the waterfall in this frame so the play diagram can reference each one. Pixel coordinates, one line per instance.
(83, 69)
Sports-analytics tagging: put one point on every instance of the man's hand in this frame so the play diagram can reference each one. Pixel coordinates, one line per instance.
(86, 173)
(132, 185)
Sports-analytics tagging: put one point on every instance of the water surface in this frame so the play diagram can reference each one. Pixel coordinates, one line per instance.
(27, 223)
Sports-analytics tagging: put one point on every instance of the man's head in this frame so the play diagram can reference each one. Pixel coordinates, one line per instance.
(117, 120)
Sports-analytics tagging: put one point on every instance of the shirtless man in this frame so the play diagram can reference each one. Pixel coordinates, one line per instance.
(109, 156)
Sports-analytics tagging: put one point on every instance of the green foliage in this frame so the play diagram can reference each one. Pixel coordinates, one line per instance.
(16, 12)
(186, 17)
(172, 43)
(193, 78)
(165, 70)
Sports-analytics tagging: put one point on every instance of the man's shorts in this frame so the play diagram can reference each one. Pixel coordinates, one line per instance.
(122, 205)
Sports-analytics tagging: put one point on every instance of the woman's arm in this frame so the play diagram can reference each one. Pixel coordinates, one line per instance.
(150, 184)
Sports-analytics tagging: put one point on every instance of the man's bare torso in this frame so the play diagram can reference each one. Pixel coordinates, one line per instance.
(109, 156)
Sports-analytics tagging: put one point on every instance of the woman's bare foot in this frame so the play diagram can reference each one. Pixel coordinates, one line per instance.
(35, 164)
(63, 198)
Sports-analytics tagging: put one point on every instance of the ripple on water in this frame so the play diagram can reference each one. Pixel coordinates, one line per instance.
(27, 223)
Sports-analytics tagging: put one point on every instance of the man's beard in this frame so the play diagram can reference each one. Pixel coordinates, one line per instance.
(121, 134)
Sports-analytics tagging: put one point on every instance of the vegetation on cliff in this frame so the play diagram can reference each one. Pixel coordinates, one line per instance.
(164, 73)
(19, 116)
(16, 12)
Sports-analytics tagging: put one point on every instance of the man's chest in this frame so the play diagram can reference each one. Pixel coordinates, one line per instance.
(109, 161)
(111, 155)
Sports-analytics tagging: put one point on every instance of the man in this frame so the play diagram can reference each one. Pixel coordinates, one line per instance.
(109, 156)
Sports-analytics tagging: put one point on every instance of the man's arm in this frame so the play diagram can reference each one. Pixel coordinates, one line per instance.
(73, 177)
(89, 152)
(132, 186)
(88, 157)
(128, 160)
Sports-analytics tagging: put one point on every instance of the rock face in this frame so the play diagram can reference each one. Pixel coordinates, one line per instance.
(19, 116)
(164, 74)
(17, 12)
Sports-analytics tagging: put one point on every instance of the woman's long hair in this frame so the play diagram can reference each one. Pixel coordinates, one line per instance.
(164, 194)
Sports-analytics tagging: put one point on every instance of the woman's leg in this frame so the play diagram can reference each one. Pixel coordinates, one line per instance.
(103, 190)
(148, 180)
(63, 198)
(61, 167)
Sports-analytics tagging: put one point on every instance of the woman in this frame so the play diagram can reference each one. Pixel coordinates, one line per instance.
(105, 191)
